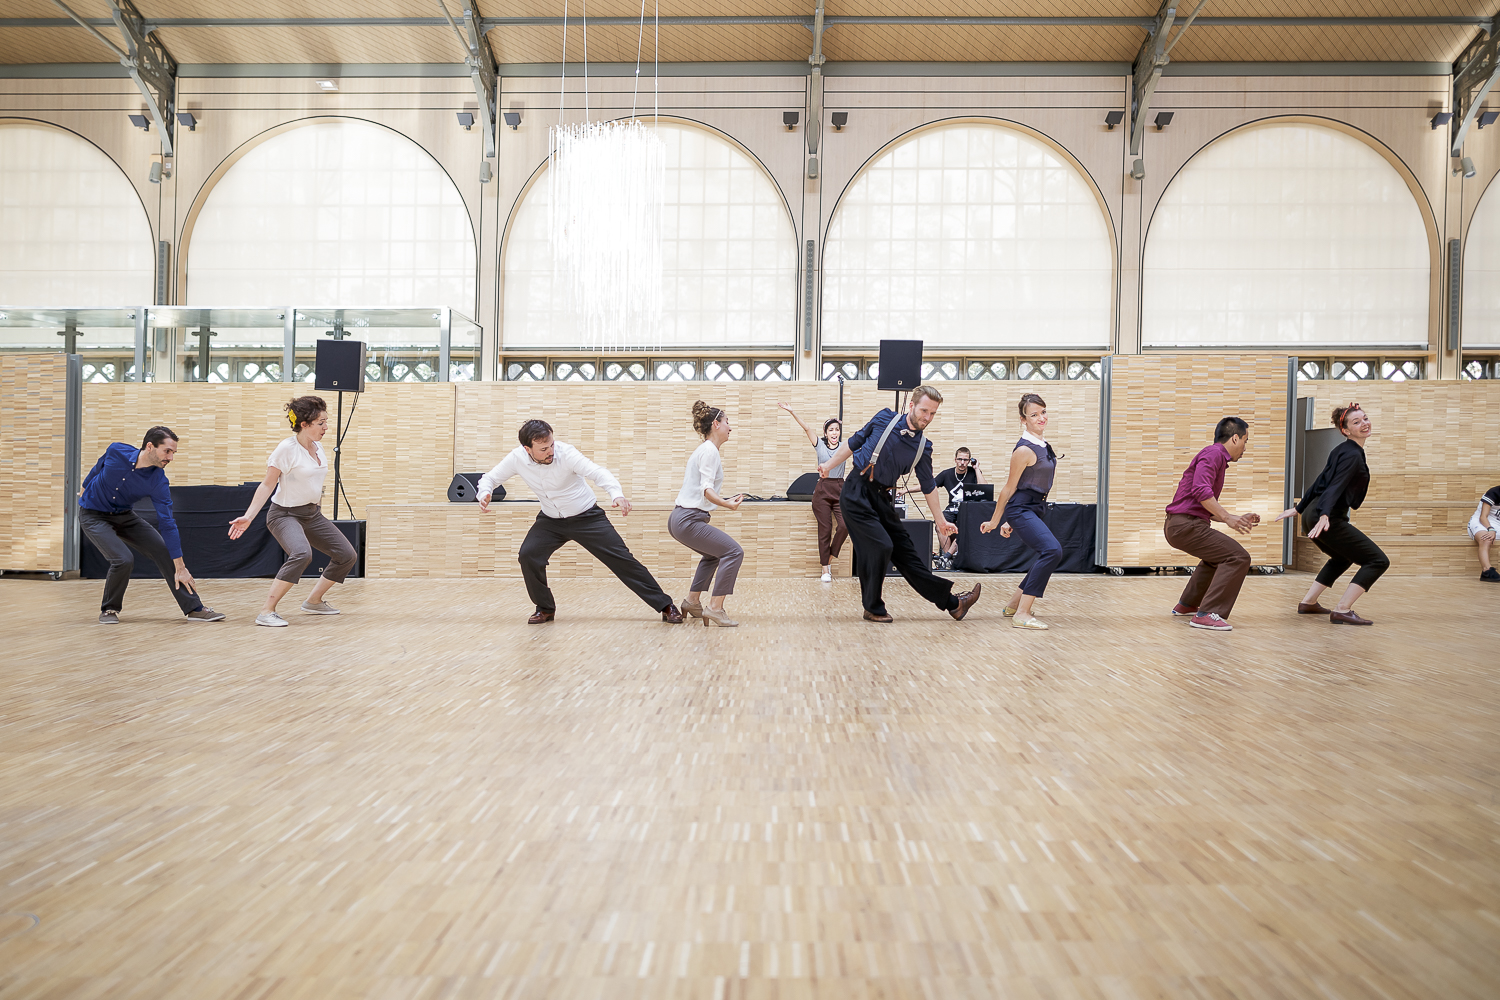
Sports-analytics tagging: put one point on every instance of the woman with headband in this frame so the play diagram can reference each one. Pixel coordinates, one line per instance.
(1340, 487)
(825, 501)
(295, 472)
(1033, 465)
(701, 483)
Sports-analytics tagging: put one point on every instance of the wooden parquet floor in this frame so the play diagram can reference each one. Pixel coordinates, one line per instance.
(424, 797)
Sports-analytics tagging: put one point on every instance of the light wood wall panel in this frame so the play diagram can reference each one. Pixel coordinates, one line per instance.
(33, 442)
(398, 450)
(1431, 455)
(1163, 409)
(451, 540)
(643, 433)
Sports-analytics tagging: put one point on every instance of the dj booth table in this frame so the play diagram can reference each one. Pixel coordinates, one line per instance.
(203, 514)
(1074, 525)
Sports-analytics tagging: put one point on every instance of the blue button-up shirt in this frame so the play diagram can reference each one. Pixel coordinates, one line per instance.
(114, 484)
(895, 458)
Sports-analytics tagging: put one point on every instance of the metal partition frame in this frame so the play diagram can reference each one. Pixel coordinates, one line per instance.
(1101, 497)
(1292, 458)
(72, 453)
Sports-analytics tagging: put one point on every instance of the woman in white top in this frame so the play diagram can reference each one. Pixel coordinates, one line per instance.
(689, 520)
(825, 501)
(295, 471)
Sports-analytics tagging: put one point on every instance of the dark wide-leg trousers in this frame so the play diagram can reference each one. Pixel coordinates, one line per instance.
(1027, 523)
(1223, 563)
(831, 530)
(880, 539)
(114, 535)
(592, 530)
(1345, 546)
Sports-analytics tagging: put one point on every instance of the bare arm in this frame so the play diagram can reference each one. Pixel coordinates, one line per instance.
(979, 475)
(1020, 460)
(263, 492)
(1487, 511)
(812, 438)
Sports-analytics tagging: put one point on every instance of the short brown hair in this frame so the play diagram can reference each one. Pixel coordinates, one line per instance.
(534, 430)
(156, 436)
(304, 410)
(925, 390)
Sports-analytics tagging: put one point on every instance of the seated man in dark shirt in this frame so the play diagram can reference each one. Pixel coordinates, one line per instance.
(965, 472)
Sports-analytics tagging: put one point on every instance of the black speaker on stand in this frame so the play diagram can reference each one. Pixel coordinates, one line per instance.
(340, 368)
(900, 367)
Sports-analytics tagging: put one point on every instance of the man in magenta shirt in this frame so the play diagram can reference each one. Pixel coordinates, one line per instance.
(1211, 593)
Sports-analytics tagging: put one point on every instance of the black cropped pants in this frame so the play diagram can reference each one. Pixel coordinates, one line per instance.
(1345, 546)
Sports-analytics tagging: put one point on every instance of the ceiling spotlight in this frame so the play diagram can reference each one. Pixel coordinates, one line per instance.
(140, 122)
(1465, 166)
(186, 118)
(790, 119)
(513, 119)
(1487, 118)
(485, 173)
(328, 85)
(1442, 118)
(1113, 118)
(466, 119)
(840, 119)
(155, 175)
(1138, 169)
(1163, 119)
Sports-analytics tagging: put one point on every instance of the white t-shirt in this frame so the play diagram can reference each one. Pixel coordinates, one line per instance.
(301, 475)
(705, 470)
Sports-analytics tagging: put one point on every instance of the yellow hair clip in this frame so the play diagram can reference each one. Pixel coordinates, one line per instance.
(291, 418)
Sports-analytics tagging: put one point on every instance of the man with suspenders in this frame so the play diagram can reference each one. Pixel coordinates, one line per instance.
(884, 450)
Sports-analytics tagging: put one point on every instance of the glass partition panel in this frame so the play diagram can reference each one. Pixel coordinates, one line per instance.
(104, 337)
(401, 345)
(222, 345)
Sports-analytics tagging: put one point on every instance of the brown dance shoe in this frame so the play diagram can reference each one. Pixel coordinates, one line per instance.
(671, 615)
(871, 616)
(965, 602)
(1312, 609)
(540, 616)
(1347, 618)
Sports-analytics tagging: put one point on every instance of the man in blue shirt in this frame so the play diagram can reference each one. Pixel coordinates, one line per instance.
(884, 450)
(122, 476)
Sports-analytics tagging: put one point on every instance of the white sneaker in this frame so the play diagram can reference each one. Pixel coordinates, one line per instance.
(321, 608)
(827, 576)
(270, 619)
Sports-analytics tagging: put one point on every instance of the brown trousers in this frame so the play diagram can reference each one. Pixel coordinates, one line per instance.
(825, 505)
(1215, 584)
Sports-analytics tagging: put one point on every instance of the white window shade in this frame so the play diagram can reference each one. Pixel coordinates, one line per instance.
(73, 231)
(969, 237)
(1285, 236)
(729, 257)
(1481, 283)
(334, 214)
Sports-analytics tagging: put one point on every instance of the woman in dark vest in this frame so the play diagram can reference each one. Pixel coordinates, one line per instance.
(1033, 465)
(1325, 517)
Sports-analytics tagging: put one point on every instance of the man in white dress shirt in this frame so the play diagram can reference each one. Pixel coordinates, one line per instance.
(557, 474)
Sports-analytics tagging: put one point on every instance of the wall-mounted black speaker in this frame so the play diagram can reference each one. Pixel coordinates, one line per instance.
(900, 365)
(341, 365)
(465, 488)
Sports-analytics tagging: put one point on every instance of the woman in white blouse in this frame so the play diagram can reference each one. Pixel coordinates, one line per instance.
(688, 524)
(295, 471)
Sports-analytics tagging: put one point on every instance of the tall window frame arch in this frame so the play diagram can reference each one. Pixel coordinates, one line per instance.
(1414, 259)
(1479, 326)
(1045, 280)
(760, 326)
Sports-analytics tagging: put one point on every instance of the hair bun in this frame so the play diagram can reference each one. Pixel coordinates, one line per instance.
(700, 409)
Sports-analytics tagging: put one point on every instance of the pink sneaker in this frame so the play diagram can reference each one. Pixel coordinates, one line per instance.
(1183, 611)
(1211, 621)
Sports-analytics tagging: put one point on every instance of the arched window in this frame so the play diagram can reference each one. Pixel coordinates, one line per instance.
(1286, 235)
(969, 236)
(729, 256)
(73, 231)
(1481, 315)
(333, 214)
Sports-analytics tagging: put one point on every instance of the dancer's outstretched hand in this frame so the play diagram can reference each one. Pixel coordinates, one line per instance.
(484, 502)
(624, 506)
(238, 526)
(1289, 512)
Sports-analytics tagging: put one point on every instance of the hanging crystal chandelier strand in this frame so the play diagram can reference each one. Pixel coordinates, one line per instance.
(607, 190)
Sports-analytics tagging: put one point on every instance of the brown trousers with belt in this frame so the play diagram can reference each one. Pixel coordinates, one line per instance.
(1215, 584)
(825, 505)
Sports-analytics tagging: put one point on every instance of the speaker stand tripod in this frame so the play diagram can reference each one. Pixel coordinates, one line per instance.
(338, 444)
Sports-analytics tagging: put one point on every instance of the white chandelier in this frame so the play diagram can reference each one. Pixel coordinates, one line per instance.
(607, 187)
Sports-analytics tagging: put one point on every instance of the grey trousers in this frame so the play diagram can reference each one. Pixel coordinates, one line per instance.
(721, 554)
(114, 535)
(299, 530)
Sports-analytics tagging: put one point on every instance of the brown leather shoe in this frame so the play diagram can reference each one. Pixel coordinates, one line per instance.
(541, 616)
(965, 602)
(671, 615)
(1347, 618)
(1312, 609)
(882, 619)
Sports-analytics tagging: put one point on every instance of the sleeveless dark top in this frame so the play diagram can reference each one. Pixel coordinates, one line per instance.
(1036, 482)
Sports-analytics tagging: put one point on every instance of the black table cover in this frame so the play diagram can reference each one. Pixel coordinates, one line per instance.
(203, 514)
(1073, 523)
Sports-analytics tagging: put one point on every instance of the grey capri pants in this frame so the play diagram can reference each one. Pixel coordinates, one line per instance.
(299, 530)
(720, 553)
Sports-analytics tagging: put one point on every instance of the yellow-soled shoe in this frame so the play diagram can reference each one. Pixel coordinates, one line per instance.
(1008, 612)
(1032, 622)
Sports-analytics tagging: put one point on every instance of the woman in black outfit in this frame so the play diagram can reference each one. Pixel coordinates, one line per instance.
(1325, 517)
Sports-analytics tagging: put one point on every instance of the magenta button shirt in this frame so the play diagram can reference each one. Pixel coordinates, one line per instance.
(1204, 479)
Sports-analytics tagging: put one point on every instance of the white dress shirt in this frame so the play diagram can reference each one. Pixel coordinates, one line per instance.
(705, 470)
(560, 486)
